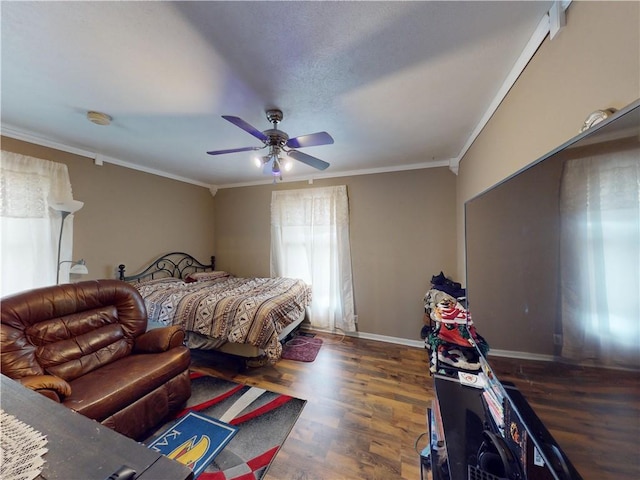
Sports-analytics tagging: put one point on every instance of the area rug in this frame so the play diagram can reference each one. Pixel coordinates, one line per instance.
(264, 420)
(302, 348)
(194, 440)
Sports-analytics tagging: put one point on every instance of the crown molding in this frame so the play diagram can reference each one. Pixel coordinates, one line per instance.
(18, 134)
(348, 173)
(153, 171)
(539, 35)
(98, 158)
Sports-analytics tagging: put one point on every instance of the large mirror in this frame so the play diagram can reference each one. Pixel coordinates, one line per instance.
(553, 276)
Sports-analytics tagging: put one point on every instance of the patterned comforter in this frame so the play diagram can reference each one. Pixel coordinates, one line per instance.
(240, 310)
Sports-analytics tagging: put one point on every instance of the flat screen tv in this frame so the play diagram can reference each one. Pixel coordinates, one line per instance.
(553, 280)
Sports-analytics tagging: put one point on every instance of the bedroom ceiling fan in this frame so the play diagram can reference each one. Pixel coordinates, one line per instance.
(279, 142)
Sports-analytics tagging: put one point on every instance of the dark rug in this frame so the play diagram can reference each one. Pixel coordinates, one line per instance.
(264, 420)
(302, 348)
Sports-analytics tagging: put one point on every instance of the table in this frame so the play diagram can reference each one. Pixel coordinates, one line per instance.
(81, 448)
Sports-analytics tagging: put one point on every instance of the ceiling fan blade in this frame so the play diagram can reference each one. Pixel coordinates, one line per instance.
(308, 159)
(311, 140)
(233, 150)
(238, 122)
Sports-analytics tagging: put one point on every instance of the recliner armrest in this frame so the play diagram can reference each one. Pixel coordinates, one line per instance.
(159, 340)
(48, 385)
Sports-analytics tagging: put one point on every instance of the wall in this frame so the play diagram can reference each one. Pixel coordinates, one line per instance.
(594, 63)
(129, 216)
(403, 224)
(402, 230)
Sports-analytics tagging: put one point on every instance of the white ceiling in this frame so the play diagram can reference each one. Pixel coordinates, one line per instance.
(397, 84)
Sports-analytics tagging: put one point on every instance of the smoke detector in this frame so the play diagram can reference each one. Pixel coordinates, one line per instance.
(99, 118)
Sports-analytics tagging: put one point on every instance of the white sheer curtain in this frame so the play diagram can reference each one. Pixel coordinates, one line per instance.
(600, 259)
(310, 240)
(29, 228)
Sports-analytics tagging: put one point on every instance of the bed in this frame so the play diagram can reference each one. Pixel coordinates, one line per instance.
(247, 317)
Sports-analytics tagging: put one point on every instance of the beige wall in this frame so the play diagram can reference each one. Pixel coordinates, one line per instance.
(404, 225)
(402, 229)
(593, 64)
(129, 216)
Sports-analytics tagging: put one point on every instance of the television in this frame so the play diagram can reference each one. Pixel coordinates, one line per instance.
(552, 283)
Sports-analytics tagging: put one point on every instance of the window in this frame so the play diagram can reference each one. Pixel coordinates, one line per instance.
(310, 241)
(600, 234)
(29, 228)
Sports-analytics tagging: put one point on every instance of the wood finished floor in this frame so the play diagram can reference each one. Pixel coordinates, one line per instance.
(367, 404)
(593, 413)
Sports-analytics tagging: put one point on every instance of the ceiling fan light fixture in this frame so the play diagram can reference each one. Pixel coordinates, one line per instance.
(275, 169)
(260, 161)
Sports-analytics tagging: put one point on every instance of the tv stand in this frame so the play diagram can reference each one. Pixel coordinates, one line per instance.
(471, 439)
(458, 417)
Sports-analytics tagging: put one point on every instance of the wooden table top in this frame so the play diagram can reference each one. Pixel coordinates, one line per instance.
(81, 448)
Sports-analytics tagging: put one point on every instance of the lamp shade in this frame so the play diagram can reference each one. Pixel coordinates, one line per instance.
(70, 206)
(78, 268)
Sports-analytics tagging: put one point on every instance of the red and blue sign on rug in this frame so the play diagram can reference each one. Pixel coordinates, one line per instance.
(195, 440)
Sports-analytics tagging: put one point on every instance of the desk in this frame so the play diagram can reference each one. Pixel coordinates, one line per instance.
(80, 448)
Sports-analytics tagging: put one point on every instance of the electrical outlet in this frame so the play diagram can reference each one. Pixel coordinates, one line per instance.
(355, 318)
(557, 339)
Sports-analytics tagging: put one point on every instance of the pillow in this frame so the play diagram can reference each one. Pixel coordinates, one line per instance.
(205, 276)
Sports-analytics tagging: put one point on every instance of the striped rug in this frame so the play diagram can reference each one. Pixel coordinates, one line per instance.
(264, 420)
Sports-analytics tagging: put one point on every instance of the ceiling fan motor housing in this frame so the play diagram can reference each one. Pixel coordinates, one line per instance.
(274, 116)
(276, 137)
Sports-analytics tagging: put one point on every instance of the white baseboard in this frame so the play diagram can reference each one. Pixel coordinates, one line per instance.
(521, 355)
(384, 338)
(420, 344)
(371, 336)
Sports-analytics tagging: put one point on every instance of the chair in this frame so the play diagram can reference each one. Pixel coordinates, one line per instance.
(85, 345)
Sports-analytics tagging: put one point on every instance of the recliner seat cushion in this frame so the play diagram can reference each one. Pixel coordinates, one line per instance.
(114, 386)
(141, 417)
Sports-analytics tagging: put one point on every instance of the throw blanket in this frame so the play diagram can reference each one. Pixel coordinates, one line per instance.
(239, 310)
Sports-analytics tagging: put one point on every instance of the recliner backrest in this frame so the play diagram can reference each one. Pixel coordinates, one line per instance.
(69, 330)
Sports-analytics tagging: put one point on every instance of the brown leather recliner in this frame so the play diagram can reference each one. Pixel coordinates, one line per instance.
(85, 345)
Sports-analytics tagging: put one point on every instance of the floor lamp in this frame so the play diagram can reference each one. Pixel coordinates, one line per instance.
(66, 209)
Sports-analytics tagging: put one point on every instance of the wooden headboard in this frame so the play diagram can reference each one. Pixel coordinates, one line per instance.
(174, 264)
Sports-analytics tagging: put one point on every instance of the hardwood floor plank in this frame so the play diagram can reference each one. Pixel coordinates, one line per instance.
(367, 402)
(366, 406)
(571, 401)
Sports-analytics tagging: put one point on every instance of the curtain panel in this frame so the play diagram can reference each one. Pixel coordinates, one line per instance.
(310, 241)
(599, 238)
(29, 227)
